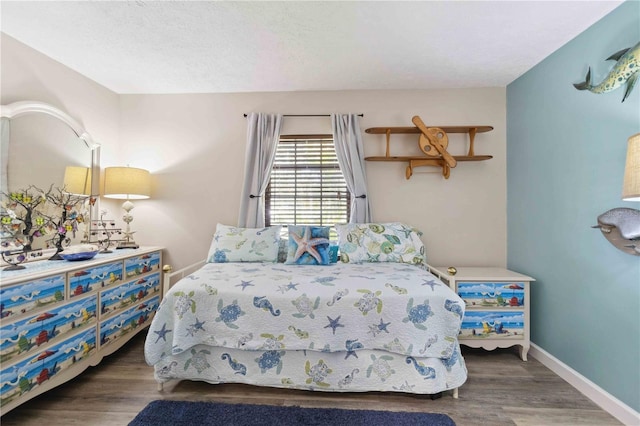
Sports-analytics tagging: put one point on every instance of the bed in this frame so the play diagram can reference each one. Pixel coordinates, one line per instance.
(376, 320)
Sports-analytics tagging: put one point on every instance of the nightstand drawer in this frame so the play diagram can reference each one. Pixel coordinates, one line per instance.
(93, 278)
(124, 295)
(489, 294)
(490, 324)
(22, 298)
(27, 335)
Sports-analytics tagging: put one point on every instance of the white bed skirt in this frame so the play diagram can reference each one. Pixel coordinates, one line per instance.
(370, 370)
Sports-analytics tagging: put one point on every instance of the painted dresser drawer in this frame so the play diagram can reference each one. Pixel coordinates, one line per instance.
(124, 295)
(140, 265)
(36, 370)
(87, 280)
(51, 317)
(487, 294)
(22, 298)
(496, 324)
(27, 335)
(119, 325)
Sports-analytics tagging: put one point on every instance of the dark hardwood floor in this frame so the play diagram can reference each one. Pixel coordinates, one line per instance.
(501, 390)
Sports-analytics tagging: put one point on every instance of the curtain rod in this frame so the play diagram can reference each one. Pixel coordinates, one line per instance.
(308, 115)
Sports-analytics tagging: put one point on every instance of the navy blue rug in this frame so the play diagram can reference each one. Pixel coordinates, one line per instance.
(178, 413)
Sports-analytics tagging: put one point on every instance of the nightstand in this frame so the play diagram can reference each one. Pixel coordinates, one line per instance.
(497, 306)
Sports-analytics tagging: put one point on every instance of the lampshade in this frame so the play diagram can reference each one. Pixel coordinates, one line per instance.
(77, 180)
(631, 185)
(127, 183)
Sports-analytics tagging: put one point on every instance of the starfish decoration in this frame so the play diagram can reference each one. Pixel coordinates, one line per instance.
(376, 329)
(383, 326)
(244, 284)
(128, 235)
(431, 283)
(199, 325)
(351, 352)
(162, 333)
(287, 287)
(306, 244)
(333, 323)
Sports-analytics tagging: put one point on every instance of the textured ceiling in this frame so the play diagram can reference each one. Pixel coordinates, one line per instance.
(219, 46)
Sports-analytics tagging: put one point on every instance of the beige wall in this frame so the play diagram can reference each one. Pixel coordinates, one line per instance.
(27, 75)
(194, 146)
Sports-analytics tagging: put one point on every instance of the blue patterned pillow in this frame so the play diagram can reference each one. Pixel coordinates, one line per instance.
(308, 245)
(380, 242)
(232, 244)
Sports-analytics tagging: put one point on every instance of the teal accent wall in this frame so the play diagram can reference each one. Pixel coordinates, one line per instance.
(565, 162)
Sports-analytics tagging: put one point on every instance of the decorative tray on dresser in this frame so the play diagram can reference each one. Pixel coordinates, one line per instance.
(60, 317)
(497, 306)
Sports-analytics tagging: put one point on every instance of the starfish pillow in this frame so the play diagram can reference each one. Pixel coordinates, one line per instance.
(308, 245)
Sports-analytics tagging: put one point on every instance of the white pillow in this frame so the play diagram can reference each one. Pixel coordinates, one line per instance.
(233, 244)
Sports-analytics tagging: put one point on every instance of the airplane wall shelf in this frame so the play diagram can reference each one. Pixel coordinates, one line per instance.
(433, 142)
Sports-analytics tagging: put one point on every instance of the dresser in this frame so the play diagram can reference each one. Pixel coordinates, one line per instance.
(60, 317)
(496, 306)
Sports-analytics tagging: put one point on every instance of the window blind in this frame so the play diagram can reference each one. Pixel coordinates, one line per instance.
(306, 185)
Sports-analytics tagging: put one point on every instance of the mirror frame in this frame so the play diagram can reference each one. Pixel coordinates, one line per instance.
(19, 108)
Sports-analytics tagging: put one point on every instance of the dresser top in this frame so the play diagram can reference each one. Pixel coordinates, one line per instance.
(42, 268)
(477, 273)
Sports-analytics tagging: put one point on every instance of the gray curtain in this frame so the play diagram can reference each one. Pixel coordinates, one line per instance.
(5, 136)
(263, 133)
(347, 139)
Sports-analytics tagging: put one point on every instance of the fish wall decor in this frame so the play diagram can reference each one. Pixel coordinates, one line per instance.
(621, 226)
(624, 71)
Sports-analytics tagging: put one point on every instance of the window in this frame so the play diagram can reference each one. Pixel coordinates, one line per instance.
(306, 186)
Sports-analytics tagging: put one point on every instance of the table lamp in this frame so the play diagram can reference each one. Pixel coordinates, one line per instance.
(77, 180)
(127, 183)
(631, 183)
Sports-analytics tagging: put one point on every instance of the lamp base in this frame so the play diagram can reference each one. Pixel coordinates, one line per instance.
(128, 245)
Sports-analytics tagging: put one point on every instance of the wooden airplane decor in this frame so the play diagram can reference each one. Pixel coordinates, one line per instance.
(433, 142)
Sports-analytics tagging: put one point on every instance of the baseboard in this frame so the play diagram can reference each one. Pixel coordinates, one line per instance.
(604, 399)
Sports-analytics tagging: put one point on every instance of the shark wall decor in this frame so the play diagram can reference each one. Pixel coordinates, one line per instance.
(624, 71)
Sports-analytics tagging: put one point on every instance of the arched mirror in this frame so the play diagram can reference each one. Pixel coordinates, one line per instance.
(41, 146)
